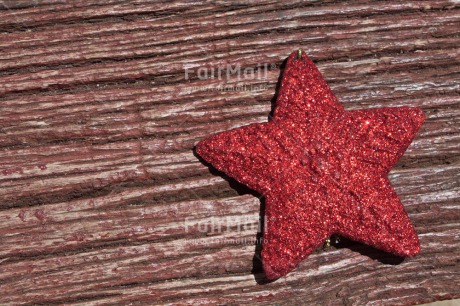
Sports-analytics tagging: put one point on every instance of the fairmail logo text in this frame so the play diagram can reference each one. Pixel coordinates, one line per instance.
(229, 72)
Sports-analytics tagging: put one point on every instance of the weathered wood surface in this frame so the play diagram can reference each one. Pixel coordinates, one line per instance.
(101, 193)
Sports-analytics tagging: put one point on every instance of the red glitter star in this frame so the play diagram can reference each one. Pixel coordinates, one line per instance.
(323, 170)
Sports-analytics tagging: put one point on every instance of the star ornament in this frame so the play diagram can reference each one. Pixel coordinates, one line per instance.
(322, 170)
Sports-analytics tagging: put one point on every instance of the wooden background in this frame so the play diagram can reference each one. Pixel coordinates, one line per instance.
(102, 194)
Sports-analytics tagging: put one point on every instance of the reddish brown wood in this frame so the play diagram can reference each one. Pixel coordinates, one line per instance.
(102, 195)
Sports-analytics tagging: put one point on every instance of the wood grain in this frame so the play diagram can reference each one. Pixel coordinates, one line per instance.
(103, 200)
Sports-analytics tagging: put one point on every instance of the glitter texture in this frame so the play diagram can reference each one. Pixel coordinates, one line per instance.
(323, 170)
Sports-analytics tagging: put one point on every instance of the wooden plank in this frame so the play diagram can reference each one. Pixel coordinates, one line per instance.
(103, 200)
